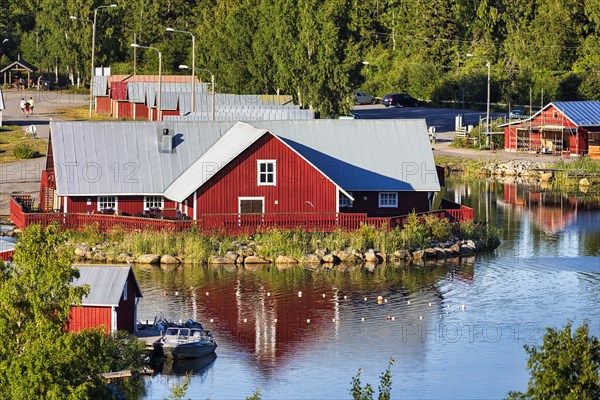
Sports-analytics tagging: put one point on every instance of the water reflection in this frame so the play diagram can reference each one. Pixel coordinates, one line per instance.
(195, 366)
(546, 271)
(535, 222)
(271, 314)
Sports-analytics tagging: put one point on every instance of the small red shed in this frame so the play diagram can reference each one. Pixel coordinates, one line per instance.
(565, 127)
(112, 301)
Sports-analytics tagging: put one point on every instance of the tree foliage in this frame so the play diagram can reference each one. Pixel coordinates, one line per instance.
(38, 357)
(566, 366)
(314, 49)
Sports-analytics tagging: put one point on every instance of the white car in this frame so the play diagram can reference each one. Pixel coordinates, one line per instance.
(363, 98)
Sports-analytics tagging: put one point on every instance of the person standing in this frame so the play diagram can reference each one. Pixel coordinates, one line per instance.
(31, 104)
(26, 109)
(22, 105)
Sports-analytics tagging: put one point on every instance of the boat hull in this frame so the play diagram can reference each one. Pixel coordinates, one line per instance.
(188, 350)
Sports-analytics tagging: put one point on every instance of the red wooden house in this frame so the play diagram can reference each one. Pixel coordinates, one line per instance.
(196, 169)
(112, 301)
(570, 127)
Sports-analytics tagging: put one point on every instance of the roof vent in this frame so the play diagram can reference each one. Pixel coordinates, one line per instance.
(166, 141)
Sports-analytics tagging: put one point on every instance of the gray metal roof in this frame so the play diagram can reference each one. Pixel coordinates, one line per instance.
(124, 158)
(106, 284)
(118, 158)
(371, 155)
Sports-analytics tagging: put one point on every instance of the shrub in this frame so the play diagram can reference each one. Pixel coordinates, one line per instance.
(23, 151)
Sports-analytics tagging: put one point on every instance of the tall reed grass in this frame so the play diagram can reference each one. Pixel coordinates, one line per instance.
(193, 246)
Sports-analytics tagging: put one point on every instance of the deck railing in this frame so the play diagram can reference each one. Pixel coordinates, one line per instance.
(23, 215)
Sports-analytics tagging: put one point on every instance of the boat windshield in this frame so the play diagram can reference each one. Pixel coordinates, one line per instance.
(172, 331)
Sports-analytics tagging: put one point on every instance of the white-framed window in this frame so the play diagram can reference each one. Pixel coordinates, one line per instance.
(154, 203)
(345, 201)
(266, 172)
(388, 199)
(106, 203)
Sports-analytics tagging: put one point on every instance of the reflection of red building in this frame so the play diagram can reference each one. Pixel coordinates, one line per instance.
(550, 211)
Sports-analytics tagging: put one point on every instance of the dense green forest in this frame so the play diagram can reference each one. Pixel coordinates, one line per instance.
(320, 50)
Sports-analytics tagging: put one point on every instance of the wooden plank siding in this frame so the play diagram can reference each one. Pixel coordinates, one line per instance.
(368, 202)
(299, 188)
(103, 105)
(126, 205)
(88, 317)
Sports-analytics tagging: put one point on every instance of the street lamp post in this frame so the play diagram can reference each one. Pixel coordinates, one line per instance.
(487, 116)
(158, 103)
(193, 64)
(93, 53)
(212, 84)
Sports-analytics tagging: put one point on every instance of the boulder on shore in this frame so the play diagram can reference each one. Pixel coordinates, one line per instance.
(148, 259)
(169, 259)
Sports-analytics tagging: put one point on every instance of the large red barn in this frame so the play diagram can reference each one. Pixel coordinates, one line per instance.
(378, 167)
(111, 302)
(569, 127)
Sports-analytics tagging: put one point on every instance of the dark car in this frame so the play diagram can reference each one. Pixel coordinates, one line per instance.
(399, 100)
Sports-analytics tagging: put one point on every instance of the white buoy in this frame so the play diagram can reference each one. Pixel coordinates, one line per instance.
(300, 294)
(464, 307)
(420, 317)
(245, 320)
(176, 293)
(211, 320)
(429, 304)
(345, 297)
(363, 319)
(268, 293)
(332, 319)
(308, 321)
(275, 320)
(207, 293)
(408, 302)
(393, 318)
(365, 299)
(323, 295)
(385, 301)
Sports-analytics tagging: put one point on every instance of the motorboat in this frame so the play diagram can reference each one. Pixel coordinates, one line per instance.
(186, 342)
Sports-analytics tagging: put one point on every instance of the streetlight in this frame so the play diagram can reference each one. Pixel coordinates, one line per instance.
(137, 46)
(212, 84)
(193, 64)
(93, 49)
(487, 117)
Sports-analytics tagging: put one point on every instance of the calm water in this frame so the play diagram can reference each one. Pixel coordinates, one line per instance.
(455, 329)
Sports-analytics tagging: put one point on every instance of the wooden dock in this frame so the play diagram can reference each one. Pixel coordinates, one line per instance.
(149, 335)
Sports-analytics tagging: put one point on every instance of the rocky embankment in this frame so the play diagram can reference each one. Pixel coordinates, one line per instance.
(246, 255)
(520, 168)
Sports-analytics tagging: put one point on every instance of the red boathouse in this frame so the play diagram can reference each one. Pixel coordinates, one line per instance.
(112, 301)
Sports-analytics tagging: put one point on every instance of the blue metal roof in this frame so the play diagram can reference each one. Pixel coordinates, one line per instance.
(581, 113)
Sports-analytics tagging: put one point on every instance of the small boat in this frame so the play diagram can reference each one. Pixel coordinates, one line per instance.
(183, 342)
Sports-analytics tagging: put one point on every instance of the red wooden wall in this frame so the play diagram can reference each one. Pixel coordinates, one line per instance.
(126, 310)
(128, 205)
(300, 187)
(88, 317)
(103, 105)
(118, 90)
(141, 111)
(368, 202)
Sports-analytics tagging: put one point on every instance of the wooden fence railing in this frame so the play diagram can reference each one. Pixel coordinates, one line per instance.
(22, 215)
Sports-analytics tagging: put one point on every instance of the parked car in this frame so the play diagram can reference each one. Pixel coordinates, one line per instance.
(399, 100)
(363, 98)
(349, 116)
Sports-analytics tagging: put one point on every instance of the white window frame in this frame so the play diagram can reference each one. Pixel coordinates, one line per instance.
(154, 202)
(388, 202)
(344, 201)
(104, 200)
(259, 173)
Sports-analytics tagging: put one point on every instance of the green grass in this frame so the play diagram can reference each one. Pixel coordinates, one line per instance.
(16, 145)
(81, 113)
